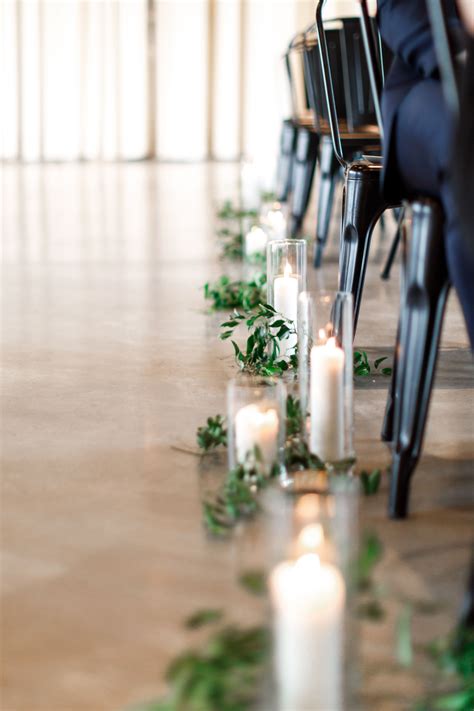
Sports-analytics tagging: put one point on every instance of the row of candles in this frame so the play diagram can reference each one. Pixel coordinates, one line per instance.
(307, 586)
(323, 331)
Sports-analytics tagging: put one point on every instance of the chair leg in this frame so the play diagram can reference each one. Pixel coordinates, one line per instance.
(386, 434)
(424, 291)
(329, 175)
(393, 248)
(285, 160)
(362, 206)
(467, 611)
(303, 172)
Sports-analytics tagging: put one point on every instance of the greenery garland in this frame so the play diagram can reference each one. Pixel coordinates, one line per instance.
(226, 293)
(267, 329)
(226, 674)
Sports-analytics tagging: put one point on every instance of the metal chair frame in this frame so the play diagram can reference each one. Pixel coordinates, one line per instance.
(363, 203)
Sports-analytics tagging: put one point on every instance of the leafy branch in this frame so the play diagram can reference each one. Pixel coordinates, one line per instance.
(236, 499)
(454, 657)
(212, 434)
(233, 248)
(371, 552)
(225, 675)
(232, 244)
(238, 294)
(269, 196)
(229, 212)
(362, 364)
(267, 328)
(227, 672)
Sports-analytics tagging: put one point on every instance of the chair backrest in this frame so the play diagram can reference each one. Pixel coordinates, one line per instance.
(300, 104)
(360, 103)
(347, 52)
(314, 76)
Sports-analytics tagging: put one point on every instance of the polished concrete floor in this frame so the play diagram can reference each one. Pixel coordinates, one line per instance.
(109, 365)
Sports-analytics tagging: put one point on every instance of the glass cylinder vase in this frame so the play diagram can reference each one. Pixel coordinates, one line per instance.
(256, 416)
(325, 374)
(255, 244)
(286, 280)
(308, 589)
(273, 219)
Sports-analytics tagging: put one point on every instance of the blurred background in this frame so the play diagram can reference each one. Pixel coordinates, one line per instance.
(123, 80)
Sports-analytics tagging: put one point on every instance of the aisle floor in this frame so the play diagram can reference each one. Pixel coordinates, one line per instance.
(110, 363)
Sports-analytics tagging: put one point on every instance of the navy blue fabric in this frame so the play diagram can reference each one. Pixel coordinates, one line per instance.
(405, 29)
(419, 132)
(423, 138)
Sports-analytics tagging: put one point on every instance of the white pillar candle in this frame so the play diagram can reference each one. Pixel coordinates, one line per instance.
(327, 401)
(308, 600)
(285, 301)
(276, 223)
(255, 427)
(250, 187)
(255, 241)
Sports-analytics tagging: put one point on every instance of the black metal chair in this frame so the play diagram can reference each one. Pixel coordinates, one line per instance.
(293, 141)
(285, 160)
(353, 106)
(425, 280)
(425, 288)
(363, 202)
(305, 140)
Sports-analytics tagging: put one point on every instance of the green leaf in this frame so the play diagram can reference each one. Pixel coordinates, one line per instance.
(371, 610)
(462, 700)
(227, 294)
(229, 212)
(262, 352)
(203, 617)
(298, 455)
(153, 706)
(237, 497)
(404, 649)
(361, 364)
(370, 554)
(254, 581)
(213, 434)
(370, 481)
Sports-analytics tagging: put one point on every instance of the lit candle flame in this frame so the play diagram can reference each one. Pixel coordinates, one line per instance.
(322, 335)
(311, 537)
(331, 342)
(287, 270)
